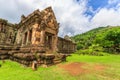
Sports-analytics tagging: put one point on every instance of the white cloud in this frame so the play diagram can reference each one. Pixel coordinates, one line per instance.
(113, 1)
(106, 17)
(70, 13)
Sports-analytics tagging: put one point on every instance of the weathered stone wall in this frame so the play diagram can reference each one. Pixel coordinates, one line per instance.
(7, 38)
(66, 46)
(7, 32)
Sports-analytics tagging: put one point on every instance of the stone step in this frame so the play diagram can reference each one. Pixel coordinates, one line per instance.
(3, 52)
(58, 60)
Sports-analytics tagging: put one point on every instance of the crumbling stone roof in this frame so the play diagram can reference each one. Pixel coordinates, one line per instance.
(7, 23)
(3, 20)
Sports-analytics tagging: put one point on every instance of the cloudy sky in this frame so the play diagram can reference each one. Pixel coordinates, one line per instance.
(74, 16)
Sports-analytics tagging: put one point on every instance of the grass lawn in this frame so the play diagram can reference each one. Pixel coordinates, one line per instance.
(110, 69)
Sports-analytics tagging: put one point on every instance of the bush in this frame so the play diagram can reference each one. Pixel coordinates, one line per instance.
(90, 52)
(95, 50)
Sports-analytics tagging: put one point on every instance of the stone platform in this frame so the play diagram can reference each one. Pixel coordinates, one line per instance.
(25, 57)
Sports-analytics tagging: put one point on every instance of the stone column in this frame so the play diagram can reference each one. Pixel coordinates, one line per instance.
(54, 46)
(55, 42)
(42, 39)
(33, 36)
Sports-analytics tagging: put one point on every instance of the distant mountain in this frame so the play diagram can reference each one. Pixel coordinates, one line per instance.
(106, 37)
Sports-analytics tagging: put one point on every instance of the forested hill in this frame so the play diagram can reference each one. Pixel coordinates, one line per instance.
(106, 37)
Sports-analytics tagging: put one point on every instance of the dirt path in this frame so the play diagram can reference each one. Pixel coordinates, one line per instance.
(78, 68)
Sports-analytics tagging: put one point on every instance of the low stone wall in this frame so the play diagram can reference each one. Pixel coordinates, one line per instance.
(25, 57)
(4, 55)
(42, 59)
(65, 46)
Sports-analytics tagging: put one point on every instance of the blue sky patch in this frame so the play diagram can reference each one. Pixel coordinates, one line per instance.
(97, 3)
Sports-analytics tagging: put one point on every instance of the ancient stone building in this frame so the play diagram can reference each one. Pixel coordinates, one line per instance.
(7, 32)
(34, 37)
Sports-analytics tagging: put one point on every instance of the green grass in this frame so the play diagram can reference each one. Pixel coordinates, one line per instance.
(94, 59)
(14, 71)
(112, 62)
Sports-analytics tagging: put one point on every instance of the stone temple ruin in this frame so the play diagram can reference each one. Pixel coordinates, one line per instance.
(34, 38)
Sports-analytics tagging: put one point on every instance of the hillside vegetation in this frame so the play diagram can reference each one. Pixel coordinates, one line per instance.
(102, 39)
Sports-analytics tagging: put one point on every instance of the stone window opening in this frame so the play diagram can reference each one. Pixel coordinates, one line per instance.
(30, 35)
(25, 38)
(38, 39)
(2, 27)
(10, 37)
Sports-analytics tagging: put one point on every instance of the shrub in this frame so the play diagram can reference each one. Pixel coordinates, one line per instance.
(95, 50)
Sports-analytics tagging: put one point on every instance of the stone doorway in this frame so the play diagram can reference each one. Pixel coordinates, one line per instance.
(25, 38)
(48, 41)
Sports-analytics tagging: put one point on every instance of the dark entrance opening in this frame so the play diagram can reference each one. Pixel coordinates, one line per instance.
(25, 38)
(30, 35)
(48, 41)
